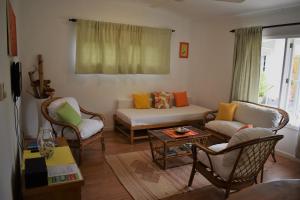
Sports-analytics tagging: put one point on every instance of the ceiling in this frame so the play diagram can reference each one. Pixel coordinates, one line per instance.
(198, 8)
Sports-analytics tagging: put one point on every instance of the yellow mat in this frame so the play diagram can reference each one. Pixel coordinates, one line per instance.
(61, 156)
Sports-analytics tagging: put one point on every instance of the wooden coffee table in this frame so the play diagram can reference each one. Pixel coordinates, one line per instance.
(163, 147)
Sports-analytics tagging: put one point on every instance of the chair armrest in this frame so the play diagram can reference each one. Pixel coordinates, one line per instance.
(92, 114)
(205, 149)
(209, 116)
(66, 125)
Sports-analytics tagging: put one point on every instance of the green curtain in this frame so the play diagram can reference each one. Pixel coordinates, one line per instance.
(110, 48)
(246, 64)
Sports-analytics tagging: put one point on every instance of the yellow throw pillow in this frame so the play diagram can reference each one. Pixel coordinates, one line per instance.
(226, 111)
(141, 101)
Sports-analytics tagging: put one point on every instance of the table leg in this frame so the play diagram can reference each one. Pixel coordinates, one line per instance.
(151, 146)
(165, 156)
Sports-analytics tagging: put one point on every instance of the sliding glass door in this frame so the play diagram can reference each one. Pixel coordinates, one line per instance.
(280, 76)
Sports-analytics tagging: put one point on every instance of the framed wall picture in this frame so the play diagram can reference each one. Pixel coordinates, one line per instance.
(11, 30)
(183, 50)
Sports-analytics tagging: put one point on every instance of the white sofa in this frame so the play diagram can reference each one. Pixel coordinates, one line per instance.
(131, 121)
(248, 113)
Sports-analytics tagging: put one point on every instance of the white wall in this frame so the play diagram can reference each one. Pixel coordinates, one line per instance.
(8, 147)
(211, 61)
(46, 31)
(282, 16)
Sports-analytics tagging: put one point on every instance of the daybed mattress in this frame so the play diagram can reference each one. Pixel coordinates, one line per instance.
(137, 117)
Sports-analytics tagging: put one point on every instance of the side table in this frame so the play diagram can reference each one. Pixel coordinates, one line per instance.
(57, 191)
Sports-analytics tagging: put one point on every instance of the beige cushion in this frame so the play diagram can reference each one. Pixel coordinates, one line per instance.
(87, 128)
(152, 116)
(257, 115)
(243, 136)
(217, 161)
(228, 128)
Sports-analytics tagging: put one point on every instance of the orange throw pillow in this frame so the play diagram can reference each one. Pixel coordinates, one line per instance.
(245, 126)
(181, 99)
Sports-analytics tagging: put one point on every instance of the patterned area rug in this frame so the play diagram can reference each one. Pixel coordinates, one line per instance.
(143, 179)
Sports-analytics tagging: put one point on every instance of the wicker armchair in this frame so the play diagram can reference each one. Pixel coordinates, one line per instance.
(283, 121)
(75, 138)
(249, 161)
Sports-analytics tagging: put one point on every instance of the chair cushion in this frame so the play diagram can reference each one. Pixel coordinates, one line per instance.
(87, 128)
(226, 111)
(243, 136)
(228, 128)
(217, 161)
(257, 115)
(67, 114)
(57, 103)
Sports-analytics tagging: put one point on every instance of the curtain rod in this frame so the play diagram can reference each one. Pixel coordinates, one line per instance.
(277, 25)
(75, 20)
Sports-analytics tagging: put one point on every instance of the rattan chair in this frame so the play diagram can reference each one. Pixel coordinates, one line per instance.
(284, 119)
(250, 160)
(61, 128)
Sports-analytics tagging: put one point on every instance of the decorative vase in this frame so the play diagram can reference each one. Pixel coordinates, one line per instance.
(46, 143)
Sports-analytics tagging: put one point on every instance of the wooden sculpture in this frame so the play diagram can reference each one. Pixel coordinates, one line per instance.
(41, 88)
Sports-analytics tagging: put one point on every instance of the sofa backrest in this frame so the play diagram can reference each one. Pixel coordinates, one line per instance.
(128, 103)
(257, 115)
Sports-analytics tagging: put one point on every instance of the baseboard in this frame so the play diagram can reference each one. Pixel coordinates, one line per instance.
(287, 155)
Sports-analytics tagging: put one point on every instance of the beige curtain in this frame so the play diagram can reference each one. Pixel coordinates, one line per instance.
(246, 64)
(109, 48)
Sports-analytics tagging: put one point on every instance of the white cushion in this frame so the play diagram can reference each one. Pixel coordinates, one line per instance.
(57, 103)
(228, 128)
(152, 116)
(217, 161)
(87, 128)
(257, 115)
(243, 136)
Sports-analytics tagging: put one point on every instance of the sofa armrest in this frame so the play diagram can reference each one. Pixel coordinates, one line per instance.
(283, 121)
(209, 116)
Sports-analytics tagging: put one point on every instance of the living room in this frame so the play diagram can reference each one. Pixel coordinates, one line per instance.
(43, 27)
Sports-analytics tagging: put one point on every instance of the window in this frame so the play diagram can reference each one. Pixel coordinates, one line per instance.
(280, 76)
(109, 48)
